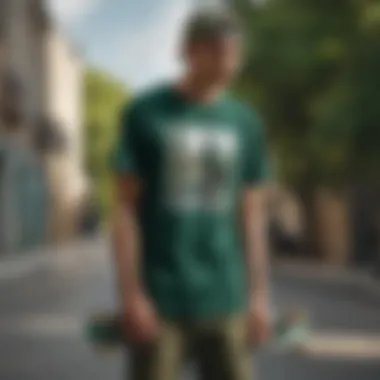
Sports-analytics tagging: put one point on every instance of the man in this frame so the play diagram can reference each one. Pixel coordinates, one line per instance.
(189, 224)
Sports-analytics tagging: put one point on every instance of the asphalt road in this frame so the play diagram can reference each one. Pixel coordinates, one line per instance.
(44, 305)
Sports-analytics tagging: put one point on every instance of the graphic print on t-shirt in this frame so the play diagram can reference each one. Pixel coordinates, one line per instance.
(199, 164)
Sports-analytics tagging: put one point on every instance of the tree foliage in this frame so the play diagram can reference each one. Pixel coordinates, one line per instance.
(104, 97)
(312, 68)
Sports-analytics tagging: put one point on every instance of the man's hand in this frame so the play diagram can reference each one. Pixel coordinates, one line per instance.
(140, 319)
(259, 320)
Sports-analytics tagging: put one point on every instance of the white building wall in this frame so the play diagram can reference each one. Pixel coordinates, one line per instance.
(64, 106)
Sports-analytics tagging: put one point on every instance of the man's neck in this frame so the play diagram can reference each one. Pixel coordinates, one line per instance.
(200, 90)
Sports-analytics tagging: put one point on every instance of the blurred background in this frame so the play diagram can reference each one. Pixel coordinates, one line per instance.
(311, 69)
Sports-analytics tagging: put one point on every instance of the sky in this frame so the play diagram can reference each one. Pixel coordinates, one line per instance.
(135, 40)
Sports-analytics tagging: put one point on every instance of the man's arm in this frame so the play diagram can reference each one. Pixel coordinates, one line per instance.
(125, 235)
(255, 230)
(140, 321)
(127, 157)
(254, 218)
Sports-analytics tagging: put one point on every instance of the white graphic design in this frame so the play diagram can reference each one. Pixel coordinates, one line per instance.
(198, 168)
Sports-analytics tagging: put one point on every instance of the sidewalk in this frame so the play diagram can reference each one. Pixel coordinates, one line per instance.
(17, 266)
(358, 278)
(43, 313)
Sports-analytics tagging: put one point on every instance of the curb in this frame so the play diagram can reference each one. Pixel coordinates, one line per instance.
(17, 266)
(345, 346)
(344, 276)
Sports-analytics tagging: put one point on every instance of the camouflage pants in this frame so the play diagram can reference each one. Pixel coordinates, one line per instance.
(220, 349)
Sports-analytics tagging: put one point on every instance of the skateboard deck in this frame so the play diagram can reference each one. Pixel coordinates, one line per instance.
(290, 332)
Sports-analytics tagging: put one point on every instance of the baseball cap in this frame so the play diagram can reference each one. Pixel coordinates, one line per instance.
(210, 25)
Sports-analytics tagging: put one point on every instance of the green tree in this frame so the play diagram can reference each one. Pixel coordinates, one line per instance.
(311, 69)
(104, 96)
(365, 80)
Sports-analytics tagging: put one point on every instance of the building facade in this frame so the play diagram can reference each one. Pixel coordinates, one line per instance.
(40, 124)
(64, 108)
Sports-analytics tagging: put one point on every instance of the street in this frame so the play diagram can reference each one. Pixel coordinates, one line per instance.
(45, 303)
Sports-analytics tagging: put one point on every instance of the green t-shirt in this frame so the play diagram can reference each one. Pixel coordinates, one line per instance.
(193, 160)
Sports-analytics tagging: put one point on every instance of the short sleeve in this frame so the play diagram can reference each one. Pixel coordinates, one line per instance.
(255, 162)
(125, 156)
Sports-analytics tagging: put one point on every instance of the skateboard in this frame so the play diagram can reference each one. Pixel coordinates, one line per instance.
(290, 332)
